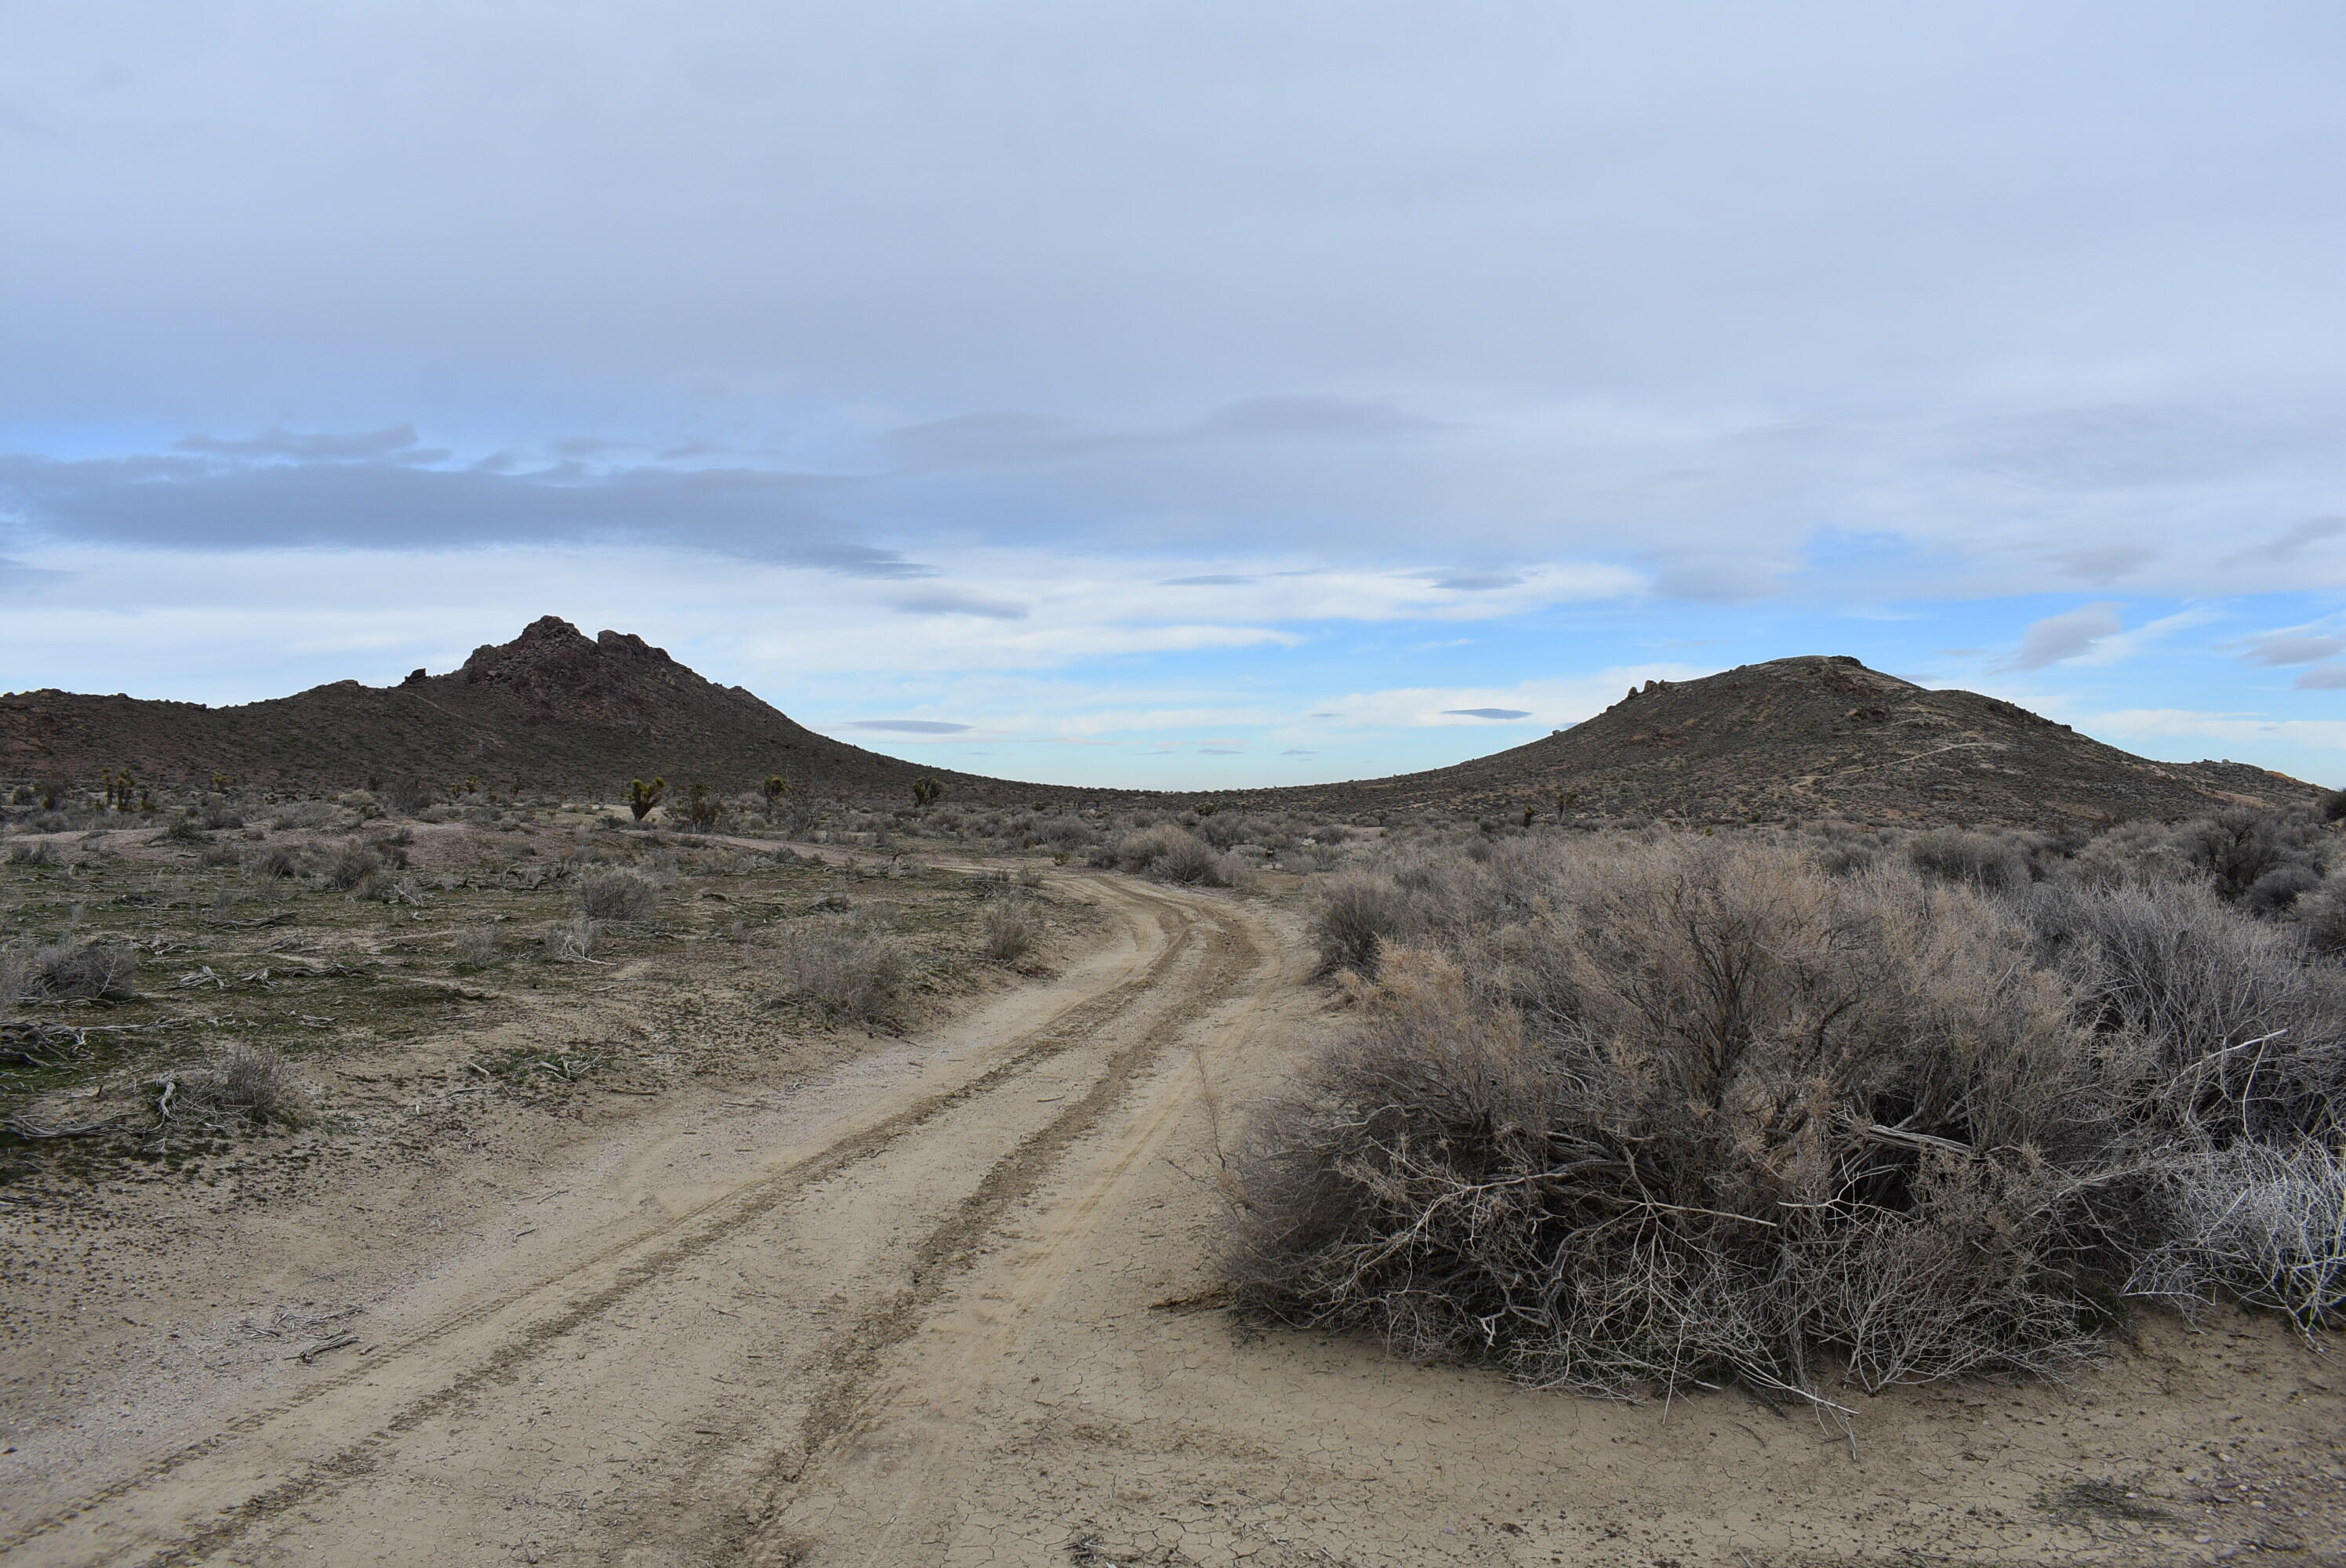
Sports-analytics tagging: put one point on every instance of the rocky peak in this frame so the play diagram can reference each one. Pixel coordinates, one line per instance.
(555, 671)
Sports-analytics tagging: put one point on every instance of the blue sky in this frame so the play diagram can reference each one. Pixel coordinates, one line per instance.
(1191, 395)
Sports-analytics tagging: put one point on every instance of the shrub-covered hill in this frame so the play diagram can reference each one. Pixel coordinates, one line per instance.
(552, 710)
(1797, 740)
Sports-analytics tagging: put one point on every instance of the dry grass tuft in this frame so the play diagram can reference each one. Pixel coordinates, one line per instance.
(850, 969)
(1012, 929)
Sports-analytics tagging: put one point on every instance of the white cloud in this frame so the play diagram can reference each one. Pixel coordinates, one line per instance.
(2067, 635)
(2281, 648)
(2122, 646)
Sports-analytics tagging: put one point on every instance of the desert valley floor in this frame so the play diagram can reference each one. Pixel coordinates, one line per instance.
(945, 1296)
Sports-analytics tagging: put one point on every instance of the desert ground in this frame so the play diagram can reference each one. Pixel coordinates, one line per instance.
(613, 1261)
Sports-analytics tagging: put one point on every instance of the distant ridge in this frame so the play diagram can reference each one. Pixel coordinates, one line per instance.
(552, 710)
(1792, 739)
(1800, 740)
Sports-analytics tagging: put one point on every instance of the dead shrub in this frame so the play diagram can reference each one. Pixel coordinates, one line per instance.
(1662, 1114)
(606, 893)
(1012, 929)
(70, 972)
(573, 941)
(2263, 1223)
(40, 853)
(2245, 1038)
(848, 969)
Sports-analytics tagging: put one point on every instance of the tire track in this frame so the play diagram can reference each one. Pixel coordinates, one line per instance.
(922, 1480)
(642, 1258)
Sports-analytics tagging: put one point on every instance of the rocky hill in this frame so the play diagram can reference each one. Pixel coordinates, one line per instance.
(552, 710)
(1800, 740)
(1793, 740)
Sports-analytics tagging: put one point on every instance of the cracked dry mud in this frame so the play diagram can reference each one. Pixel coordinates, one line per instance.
(951, 1304)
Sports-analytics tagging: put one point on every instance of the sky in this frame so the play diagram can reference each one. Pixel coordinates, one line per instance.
(1192, 395)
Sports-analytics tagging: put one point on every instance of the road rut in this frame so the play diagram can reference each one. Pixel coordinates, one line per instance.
(644, 1403)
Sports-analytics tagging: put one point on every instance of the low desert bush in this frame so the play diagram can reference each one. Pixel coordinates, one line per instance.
(281, 860)
(69, 972)
(37, 853)
(474, 947)
(349, 865)
(2321, 917)
(848, 969)
(1012, 929)
(254, 1081)
(606, 893)
(1173, 854)
(1065, 834)
(572, 940)
(251, 1083)
(1357, 914)
(1224, 829)
(2239, 849)
(1623, 1114)
(306, 814)
(1992, 861)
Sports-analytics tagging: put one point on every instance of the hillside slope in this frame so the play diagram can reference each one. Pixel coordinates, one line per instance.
(1795, 739)
(554, 710)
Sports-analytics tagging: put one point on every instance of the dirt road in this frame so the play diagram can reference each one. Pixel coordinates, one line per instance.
(631, 1404)
(953, 1306)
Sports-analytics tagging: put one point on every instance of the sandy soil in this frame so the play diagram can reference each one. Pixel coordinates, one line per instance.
(950, 1303)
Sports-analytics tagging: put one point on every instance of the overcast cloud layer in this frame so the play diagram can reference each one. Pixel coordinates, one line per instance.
(1191, 393)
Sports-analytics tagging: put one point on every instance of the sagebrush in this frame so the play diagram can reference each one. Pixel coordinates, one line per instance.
(1622, 1112)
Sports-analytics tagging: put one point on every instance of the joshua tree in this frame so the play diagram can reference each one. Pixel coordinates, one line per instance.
(701, 808)
(1564, 799)
(776, 788)
(1529, 812)
(925, 791)
(643, 797)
